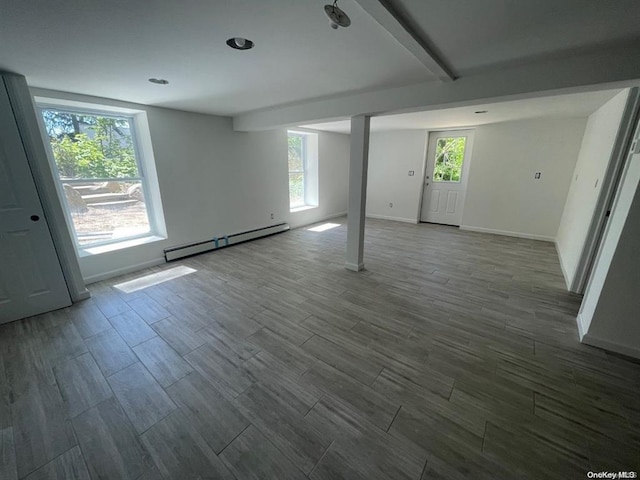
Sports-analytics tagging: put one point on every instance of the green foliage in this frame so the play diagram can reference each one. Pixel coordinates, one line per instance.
(449, 158)
(296, 189)
(89, 146)
(296, 170)
(295, 144)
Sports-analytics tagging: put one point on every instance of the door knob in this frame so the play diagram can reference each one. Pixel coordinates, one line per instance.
(35, 218)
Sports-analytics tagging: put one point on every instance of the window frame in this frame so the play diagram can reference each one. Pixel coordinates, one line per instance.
(153, 205)
(305, 164)
(310, 173)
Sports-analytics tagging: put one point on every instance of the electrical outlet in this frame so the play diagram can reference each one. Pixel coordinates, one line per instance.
(390, 204)
(537, 175)
(272, 216)
(412, 173)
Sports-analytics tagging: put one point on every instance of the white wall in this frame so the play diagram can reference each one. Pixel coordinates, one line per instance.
(391, 156)
(333, 180)
(609, 312)
(502, 194)
(593, 160)
(214, 181)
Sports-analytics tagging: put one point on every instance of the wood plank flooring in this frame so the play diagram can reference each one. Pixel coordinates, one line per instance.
(454, 355)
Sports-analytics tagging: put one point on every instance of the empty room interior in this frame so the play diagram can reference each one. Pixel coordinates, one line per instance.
(287, 239)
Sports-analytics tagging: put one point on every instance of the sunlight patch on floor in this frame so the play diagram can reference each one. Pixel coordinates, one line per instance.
(153, 279)
(323, 227)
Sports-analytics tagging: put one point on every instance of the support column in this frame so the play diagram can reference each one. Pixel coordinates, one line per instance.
(358, 165)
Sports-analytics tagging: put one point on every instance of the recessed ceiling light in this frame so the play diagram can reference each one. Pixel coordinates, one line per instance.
(240, 43)
(159, 81)
(482, 111)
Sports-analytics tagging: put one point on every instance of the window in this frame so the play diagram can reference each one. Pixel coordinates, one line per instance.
(449, 159)
(97, 158)
(303, 170)
(297, 166)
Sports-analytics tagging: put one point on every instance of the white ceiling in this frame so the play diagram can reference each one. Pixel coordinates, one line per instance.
(110, 49)
(573, 105)
(473, 35)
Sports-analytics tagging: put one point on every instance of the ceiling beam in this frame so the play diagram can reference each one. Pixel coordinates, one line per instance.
(399, 26)
(612, 68)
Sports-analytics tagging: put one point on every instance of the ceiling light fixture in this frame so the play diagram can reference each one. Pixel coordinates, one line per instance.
(482, 111)
(337, 17)
(159, 81)
(240, 43)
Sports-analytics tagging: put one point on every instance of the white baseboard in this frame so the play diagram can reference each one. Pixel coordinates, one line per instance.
(590, 339)
(82, 295)
(529, 236)
(396, 219)
(582, 328)
(316, 220)
(124, 270)
(354, 267)
(611, 346)
(565, 275)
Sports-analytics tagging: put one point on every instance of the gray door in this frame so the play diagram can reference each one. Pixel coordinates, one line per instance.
(31, 279)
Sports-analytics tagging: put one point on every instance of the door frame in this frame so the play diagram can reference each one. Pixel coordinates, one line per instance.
(25, 116)
(425, 164)
(629, 124)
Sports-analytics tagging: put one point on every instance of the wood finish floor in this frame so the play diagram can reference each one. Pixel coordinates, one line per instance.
(454, 355)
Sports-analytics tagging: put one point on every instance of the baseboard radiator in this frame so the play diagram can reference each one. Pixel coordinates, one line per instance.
(188, 250)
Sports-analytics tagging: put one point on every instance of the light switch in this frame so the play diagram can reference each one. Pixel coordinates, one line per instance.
(412, 173)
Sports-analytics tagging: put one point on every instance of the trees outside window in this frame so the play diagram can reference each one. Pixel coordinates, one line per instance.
(297, 169)
(449, 159)
(100, 174)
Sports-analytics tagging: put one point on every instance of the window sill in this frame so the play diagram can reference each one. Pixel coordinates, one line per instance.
(112, 247)
(302, 208)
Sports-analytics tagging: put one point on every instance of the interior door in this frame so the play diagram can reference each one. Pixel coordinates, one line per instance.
(31, 279)
(447, 171)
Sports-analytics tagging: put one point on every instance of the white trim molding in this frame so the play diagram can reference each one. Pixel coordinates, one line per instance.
(565, 275)
(397, 219)
(630, 351)
(582, 328)
(529, 236)
(353, 267)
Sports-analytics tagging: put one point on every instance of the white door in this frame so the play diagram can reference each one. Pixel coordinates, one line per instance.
(31, 279)
(445, 184)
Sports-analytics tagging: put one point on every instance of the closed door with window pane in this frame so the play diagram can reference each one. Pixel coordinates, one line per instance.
(445, 184)
(100, 175)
